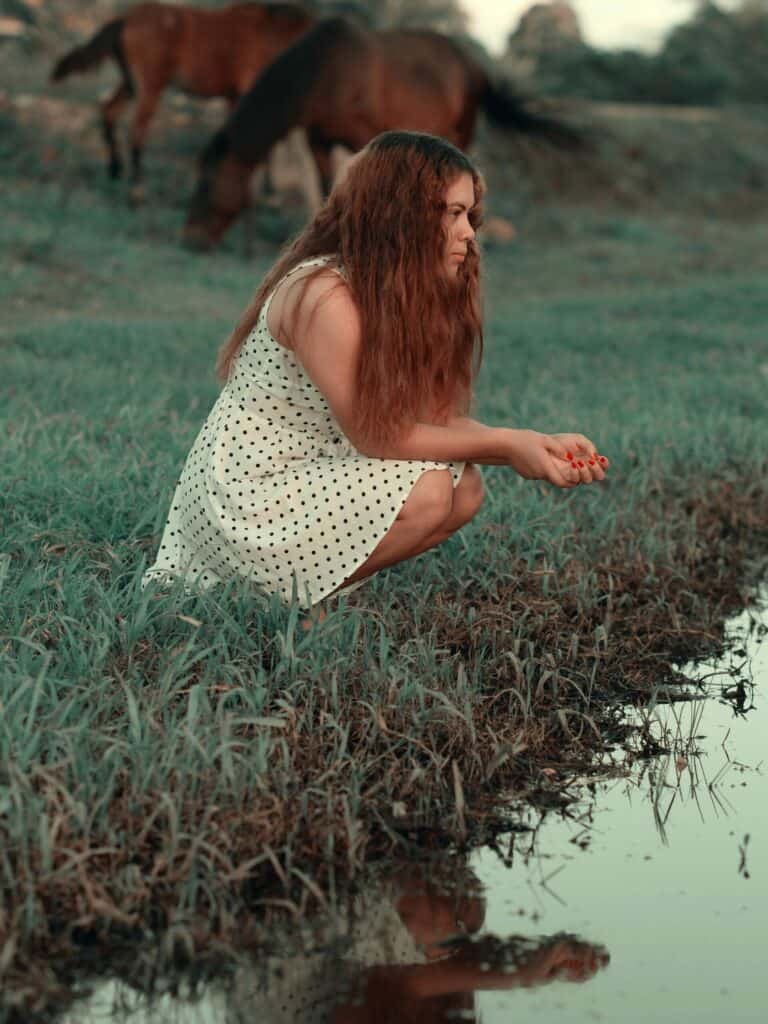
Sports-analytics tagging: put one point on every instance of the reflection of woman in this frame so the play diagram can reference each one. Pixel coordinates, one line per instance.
(411, 942)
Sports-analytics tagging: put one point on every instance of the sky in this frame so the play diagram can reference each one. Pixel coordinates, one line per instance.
(609, 24)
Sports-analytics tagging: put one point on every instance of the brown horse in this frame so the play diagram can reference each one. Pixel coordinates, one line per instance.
(205, 52)
(343, 85)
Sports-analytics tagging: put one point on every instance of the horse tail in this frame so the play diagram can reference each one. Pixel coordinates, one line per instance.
(106, 43)
(507, 110)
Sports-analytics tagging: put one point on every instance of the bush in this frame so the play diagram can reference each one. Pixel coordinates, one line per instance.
(714, 58)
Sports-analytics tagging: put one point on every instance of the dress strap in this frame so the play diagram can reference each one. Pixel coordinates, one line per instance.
(299, 266)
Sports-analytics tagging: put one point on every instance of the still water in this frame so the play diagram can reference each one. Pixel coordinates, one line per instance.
(674, 879)
(648, 900)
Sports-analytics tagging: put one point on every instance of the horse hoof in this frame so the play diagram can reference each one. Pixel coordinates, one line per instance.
(137, 195)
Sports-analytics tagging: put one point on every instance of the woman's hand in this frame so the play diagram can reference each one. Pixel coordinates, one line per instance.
(565, 460)
(566, 959)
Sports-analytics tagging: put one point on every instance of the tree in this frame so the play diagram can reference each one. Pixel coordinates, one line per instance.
(717, 56)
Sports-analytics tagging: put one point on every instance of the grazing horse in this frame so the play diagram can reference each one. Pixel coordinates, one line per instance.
(344, 85)
(204, 52)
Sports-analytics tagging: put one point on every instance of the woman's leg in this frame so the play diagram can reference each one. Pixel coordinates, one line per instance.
(425, 509)
(467, 499)
(432, 512)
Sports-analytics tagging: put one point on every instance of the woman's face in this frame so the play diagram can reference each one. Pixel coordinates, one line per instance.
(457, 231)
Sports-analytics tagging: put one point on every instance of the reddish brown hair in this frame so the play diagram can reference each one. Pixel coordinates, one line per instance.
(422, 337)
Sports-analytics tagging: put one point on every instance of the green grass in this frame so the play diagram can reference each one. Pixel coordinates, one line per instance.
(161, 754)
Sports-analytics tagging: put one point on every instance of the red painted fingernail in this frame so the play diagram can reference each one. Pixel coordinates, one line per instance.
(573, 465)
(581, 464)
(568, 455)
(603, 459)
(591, 462)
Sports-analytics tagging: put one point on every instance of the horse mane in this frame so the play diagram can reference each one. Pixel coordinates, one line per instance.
(276, 10)
(276, 101)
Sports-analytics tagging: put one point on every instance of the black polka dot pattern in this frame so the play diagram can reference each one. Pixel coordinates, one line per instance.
(273, 491)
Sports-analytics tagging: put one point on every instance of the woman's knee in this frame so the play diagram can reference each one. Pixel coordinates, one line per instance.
(431, 499)
(468, 496)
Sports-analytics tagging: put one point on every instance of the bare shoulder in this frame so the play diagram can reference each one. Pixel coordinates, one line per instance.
(328, 319)
(326, 342)
(310, 302)
(329, 292)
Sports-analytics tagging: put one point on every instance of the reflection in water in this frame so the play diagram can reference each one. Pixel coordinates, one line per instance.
(417, 939)
(695, 760)
(408, 949)
(684, 918)
(666, 862)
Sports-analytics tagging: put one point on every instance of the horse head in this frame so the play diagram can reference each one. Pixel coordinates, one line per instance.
(221, 194)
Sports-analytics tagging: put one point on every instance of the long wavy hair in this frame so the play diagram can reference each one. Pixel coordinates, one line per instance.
(422, 338)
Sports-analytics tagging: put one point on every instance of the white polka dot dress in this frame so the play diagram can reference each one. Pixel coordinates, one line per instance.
(273, 491)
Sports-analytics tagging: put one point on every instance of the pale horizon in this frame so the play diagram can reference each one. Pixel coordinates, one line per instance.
(606, 24)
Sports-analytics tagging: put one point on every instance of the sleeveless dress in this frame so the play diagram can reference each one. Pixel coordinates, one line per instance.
(273, 491)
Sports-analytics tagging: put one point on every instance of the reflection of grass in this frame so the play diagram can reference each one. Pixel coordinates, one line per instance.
(158, 752)
(666, 733)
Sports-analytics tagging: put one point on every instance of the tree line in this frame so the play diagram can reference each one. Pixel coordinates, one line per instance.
(716, 57)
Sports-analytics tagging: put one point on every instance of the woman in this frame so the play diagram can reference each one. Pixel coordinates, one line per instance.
(340, 443)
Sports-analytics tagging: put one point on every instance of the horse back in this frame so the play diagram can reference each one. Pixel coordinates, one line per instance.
(209, 52)
(425, 82)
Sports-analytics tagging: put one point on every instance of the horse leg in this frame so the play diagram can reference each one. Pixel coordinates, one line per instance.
(309, 170)
(264, 182)
(145, 111)
(341, 157)
(321, 152)
(110, 111)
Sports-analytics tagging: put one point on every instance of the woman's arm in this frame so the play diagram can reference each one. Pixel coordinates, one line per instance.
(464, 421)
(327, 344)
(413, 984)
(456, 442)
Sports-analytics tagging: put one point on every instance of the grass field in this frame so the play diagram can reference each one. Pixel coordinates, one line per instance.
(169, 760)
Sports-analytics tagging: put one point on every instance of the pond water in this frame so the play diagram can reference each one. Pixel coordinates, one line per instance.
(673, 881)
(649, 899)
